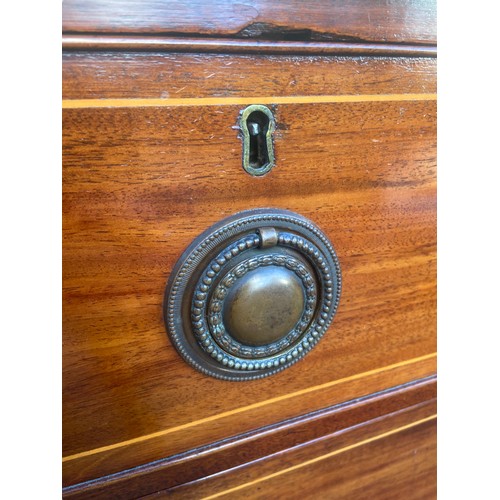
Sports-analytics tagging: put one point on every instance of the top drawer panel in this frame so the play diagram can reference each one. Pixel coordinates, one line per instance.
(407, 21)
(145, 173)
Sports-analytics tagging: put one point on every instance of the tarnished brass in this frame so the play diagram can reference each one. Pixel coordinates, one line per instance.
(257, 125)
(268, 237)
(252, 295)
(264, 306)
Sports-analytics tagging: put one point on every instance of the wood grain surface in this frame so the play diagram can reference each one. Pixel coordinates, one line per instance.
(390, 457)
(407, 21)
(173, 441)
(243, 449)
(129, 75)
(141, 183)
(152, 157)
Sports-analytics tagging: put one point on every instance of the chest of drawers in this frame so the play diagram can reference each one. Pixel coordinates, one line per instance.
(152, 157)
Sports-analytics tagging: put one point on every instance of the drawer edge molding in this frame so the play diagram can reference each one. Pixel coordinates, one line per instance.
(76, 42)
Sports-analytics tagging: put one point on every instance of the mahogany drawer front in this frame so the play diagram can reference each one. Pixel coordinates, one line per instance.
(152, 159)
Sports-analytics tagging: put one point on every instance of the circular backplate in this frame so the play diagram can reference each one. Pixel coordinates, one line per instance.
(252, 294)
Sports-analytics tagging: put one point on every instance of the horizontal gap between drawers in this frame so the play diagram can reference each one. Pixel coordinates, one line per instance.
(224, 101)
(245, 408)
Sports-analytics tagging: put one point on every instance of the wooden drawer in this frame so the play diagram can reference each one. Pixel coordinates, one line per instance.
(392, 457)
(152, 158)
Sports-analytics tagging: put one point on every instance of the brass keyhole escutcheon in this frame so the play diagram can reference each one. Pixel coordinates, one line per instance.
(257, 125)
(252, 295)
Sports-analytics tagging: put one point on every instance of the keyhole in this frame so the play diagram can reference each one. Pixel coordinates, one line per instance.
(257, 124)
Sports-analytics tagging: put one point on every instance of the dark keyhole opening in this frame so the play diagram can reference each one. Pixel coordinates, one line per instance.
(258, 125)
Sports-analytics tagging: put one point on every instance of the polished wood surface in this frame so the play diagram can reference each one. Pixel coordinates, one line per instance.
(152, 157)
(407, 21)
(393, 456)
(133, 177)
(246, 448)
(203, 431)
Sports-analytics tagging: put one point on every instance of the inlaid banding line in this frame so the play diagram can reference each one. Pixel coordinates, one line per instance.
(240, 101)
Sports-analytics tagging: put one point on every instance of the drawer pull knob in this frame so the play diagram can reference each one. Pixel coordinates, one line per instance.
(252, 295)
(257, 125)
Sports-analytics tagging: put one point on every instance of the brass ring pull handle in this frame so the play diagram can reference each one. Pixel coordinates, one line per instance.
(252, 294)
